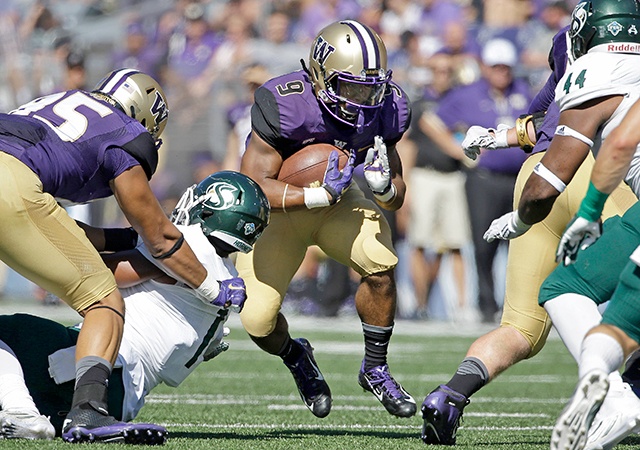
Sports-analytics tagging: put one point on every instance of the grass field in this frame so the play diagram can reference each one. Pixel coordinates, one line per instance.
(246, 399)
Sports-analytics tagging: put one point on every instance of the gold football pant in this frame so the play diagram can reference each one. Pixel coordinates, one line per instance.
(531, 257)
(353, 232)
(40, 241)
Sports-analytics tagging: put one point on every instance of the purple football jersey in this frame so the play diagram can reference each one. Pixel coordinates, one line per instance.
(287, 115)
(74, 142)
(543, 101)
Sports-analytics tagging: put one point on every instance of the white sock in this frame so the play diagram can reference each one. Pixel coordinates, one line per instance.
(573, 315)
(14, 394)
(600, 351)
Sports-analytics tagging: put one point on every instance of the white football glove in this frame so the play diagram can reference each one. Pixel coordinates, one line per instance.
(376, 168)
(478, 138)
(506, 227)
(579, 234)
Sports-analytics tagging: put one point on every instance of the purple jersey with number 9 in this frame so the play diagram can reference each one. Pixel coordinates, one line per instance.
(287, 116)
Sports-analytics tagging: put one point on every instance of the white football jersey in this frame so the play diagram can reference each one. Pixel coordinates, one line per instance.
(168, 329)
(599, 74)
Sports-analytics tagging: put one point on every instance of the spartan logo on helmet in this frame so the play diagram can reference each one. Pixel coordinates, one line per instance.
(221, 195)
(609, 25)
(578, 18)
(228, 206)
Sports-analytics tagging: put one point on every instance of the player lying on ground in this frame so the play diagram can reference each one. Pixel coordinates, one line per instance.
(223, 214)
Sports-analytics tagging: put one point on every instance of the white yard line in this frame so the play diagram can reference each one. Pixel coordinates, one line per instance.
(269, 426)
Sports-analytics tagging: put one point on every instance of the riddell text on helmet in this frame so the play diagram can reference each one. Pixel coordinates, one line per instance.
(623, 48)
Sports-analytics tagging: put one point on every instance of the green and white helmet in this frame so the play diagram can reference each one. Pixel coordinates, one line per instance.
(605, 25)
(229, 206)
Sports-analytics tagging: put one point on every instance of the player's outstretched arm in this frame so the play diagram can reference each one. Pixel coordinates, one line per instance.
(161, 237)
(572, 142)
(110, 239)
(523, 135)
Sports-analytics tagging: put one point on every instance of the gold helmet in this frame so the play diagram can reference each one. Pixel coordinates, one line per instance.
(139, 96)
(348, 69)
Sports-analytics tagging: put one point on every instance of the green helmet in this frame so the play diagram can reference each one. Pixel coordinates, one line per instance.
(229, 206)
(612, 23)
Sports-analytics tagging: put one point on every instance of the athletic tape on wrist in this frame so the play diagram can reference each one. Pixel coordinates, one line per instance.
(592, 203)
(563, 130)
(517, 223)
(209, 289)
(388, 196)
(315, 197)
(549, 177)
(500, 136)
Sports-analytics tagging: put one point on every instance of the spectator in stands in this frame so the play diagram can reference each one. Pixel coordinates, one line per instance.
(316, 14)
(75, 76)
(464, 50)
(274, 48)
(239, 116)
(138, 52)
(554, 15)
(496, 98)
(191, 48)
(438, 222)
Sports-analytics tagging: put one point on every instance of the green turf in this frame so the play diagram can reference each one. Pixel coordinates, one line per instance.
(246, 399)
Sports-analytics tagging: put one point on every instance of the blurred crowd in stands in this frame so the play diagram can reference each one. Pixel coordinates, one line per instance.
(450, 56)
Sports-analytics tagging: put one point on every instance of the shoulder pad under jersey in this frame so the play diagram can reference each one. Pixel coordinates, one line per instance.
(597, 75)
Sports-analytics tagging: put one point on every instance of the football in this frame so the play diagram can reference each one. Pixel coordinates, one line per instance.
(306, 167)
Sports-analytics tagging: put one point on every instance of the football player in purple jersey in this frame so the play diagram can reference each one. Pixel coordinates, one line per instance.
(76, 146)
(346, 98)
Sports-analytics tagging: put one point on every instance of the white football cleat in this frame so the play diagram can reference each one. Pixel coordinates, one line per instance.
(25, 425)
(572, 428)
(619, 416)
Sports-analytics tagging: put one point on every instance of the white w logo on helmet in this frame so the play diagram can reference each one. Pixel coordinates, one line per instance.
(322, 50)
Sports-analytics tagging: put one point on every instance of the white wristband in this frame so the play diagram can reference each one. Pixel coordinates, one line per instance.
(209, 290)
(316, 197)
(389, 196)
(500, 135)
(517, 223)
